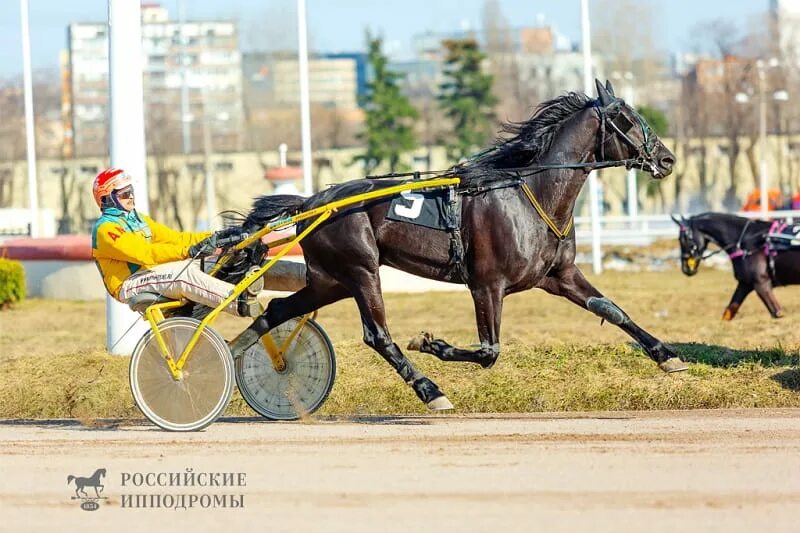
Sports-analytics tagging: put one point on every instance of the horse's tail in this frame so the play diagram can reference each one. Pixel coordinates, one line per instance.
(69, 479)
(267, 208)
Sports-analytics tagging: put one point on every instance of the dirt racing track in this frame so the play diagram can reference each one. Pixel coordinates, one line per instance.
(619, 471)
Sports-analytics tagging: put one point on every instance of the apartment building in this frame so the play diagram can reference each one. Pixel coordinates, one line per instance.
(192, 73)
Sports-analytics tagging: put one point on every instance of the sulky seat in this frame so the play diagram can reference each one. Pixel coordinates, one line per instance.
(140, 302)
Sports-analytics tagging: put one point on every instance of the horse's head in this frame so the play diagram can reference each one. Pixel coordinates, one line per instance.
(626, 136)
(693, 245)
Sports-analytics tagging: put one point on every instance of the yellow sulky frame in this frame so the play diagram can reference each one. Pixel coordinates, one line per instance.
(154, 314)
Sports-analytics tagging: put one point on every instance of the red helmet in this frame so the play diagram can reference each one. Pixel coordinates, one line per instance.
(108, 181)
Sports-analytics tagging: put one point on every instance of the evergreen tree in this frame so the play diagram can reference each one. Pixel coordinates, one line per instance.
(466, 98)
(389, 114)
(655, 118)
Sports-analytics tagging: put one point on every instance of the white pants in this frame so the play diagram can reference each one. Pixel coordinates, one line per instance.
(195, 285)
(168, 280)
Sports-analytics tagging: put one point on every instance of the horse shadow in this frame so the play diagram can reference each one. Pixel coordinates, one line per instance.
(726, 357)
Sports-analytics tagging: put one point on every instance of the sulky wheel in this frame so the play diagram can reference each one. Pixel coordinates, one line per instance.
(305, 382)
(204, 387)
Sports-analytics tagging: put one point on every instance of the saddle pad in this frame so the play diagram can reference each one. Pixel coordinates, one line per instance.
(423, 208)
(784, 237)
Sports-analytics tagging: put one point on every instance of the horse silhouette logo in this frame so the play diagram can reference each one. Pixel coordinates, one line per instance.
(88, 503)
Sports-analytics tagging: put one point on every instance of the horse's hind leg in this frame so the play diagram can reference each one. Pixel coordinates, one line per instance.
(488, 302)
(741, 292)
(572, 285)
(764, 291)
(321, 291)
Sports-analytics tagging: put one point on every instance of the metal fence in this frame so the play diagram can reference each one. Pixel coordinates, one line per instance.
(641, 230)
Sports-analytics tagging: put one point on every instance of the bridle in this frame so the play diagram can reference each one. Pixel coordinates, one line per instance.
(619, 125)
(694, 253)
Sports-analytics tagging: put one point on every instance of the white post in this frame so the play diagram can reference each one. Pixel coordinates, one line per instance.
(30, 127)
(211, 193)
(282, 149)
(588, 87)
(633, 187)
(305, 106)
(126, 141)
(762, 140)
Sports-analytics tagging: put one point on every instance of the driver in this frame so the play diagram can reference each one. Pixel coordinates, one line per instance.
(135, 254)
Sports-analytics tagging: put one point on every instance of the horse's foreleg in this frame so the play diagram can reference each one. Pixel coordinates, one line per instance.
(741, 292)
(488, 302)
(764, 291)
(572, 285)
(366, 286)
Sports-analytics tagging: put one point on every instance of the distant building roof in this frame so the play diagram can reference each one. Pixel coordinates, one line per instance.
(284, 173)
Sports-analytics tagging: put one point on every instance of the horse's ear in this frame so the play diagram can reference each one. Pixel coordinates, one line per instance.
(610, 89)
(602, 93)
(675, 220)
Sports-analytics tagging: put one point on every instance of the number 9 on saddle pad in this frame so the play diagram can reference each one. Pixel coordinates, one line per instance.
(423, 208)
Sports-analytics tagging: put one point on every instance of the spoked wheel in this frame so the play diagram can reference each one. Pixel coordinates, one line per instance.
(205, 386)
(299, 389)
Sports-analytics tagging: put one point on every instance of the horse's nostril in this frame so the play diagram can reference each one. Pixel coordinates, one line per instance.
(667, 162)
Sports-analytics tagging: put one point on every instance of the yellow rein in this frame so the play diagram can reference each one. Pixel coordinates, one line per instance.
(561, 234)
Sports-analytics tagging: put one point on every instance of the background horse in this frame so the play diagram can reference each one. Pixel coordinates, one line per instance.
(516, 207)
(744, 241)
(93, 481)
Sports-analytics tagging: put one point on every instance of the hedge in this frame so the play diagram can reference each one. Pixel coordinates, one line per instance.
(12, 282)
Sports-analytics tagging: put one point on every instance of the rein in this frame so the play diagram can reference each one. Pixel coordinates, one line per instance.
(643, 155)
(736, 247)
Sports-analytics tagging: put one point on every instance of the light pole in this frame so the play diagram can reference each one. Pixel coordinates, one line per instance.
(30, 131)
(185, 109)
(126, 142)
(594, 194)
(779, 96)
(211, 193)
(305, 105)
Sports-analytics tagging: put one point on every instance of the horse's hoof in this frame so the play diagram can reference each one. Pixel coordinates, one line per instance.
(673, 364)
(419, 341)
(779, 314)
(727, 315)
(487, 363)
(439, 404)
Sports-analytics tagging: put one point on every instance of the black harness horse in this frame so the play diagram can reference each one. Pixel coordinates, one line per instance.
(515, 233)
(756, 265)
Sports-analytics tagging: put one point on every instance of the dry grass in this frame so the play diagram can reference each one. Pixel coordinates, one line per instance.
(554, 355)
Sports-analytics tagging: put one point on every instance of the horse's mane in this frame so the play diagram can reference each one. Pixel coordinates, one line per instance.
(530, 140)
(730, 218)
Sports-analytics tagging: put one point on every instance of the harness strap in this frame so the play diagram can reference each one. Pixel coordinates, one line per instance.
(453, 220)
(560, 233)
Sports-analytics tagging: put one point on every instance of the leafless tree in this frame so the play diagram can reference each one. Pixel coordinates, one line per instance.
(164, 205)
(12, 139)
(502, 63)
(633, 50)
(727, 44)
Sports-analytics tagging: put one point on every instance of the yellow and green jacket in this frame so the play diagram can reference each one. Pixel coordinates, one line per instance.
(123, 242)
